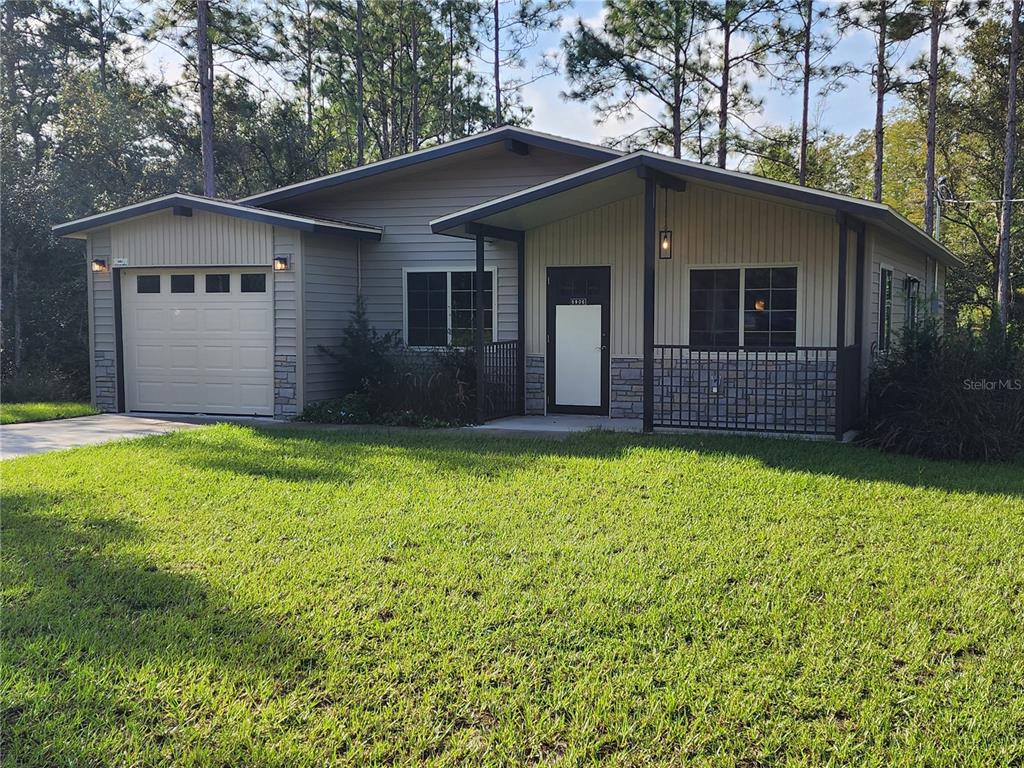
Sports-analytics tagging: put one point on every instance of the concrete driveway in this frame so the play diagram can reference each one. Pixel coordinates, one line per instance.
(44, 436)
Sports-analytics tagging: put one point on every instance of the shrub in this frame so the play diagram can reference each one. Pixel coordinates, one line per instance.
(353, 408)
(440, 393)
(380, 388)
(364, 356)
(955, 395)
(50, 385)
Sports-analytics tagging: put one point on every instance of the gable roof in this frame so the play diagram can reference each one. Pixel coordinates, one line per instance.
(79, 227)
(491, 213)
(495, 136)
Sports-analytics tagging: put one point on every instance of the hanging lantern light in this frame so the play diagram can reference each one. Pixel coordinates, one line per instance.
(665, 235)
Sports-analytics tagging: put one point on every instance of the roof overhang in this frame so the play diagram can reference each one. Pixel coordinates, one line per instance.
(621, 178)
(184, 204)
(516, 140)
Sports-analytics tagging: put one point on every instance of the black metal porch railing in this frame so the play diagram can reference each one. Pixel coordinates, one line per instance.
(767, 390)
(502, 393)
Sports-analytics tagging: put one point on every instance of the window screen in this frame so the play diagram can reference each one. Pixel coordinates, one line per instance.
(218, 283)
(147, 284)
(254, 282)
(769, 307)
(183, 283)
(715, 308)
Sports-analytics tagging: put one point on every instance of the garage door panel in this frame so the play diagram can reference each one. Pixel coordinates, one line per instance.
(219, 359)
(219, 319)
(252, 394)
(184, 319)
(198, 352)
(254, 319)
(149, 356)
(254, 358)
(149, 319)
(184, 357)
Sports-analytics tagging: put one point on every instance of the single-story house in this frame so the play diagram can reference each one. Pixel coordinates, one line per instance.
(588, 280)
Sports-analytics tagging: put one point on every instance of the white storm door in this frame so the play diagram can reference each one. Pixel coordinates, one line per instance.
(205, 350)
(578, 355)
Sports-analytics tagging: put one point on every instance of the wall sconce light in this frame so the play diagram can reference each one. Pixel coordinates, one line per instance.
(665, 236)
(759, 305)
(280, 263)
(99, 265)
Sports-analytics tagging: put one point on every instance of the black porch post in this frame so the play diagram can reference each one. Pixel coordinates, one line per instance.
(521, 322)
(478, 314)
(650, 200)
(841, 372)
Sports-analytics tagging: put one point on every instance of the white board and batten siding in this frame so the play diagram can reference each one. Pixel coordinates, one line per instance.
(711, 228)
(404, 204)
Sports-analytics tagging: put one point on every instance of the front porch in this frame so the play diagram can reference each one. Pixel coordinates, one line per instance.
(750, 321)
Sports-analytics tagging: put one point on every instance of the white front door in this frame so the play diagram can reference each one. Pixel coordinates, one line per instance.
(198, 340)
(578, 355)
(578, 327)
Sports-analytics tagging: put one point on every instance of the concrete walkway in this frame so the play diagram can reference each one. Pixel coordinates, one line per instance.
(45, 436)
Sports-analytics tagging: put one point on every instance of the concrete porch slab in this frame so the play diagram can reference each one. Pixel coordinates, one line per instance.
(563, 423)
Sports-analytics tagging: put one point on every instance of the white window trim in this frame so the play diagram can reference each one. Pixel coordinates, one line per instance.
(448, 269)
(743, 267)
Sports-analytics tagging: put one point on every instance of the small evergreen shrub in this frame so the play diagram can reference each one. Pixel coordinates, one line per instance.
(365, 357)
(383, 387)
(958, 395)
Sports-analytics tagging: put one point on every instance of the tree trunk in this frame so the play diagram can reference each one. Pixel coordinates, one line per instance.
(498, 119)
(677, 92)
(205, 59)
(451, 73)
(1003, 272)
(360, 106)
(309, 72)
(881, 84)
(723, 92)
(937, 9)
(100, 28)
(414, 50)
(805, 108)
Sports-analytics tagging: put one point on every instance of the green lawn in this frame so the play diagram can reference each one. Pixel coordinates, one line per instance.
(226, 596)
(16, 413)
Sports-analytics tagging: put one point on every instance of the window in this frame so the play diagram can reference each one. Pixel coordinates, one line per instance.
(715, 308)
(768, 311)
(147, 284)
(884, 308)
(769, 307)
(183, 283)
(254, 282)
(440, 308)
(218, 283)
(913, 301)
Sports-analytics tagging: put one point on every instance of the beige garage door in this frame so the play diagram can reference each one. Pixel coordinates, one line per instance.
(198, 341)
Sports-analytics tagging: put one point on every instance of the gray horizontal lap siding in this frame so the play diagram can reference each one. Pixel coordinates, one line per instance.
(404, 207)
(103, 334)
(329, 288)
